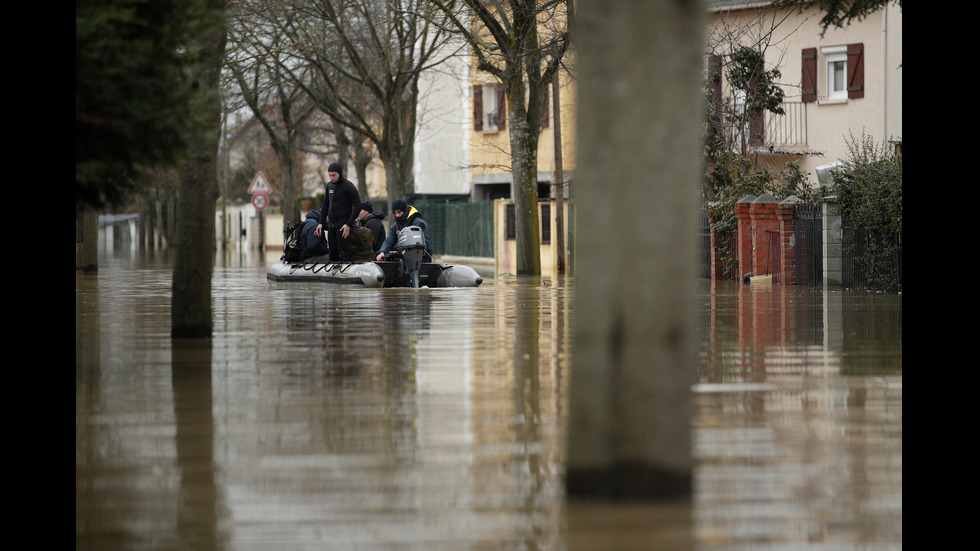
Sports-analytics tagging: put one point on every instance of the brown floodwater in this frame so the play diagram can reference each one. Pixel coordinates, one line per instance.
(326, 417)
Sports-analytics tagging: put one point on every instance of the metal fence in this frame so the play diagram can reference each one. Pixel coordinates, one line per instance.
(871, 260)
(457, 228)
(809, 244)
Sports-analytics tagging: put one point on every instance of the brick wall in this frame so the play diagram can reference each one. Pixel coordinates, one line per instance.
(766, 239)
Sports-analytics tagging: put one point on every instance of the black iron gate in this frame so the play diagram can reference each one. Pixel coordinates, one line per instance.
(871, 260)
(809, 244)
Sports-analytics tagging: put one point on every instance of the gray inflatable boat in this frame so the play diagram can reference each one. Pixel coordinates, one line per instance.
(401, 268)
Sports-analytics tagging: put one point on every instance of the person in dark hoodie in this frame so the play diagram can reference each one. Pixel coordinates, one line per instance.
(372, 220)
(405, 216)
(340, 208)
(311, 244)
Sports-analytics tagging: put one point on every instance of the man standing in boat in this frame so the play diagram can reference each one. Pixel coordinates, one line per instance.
(405, 216)
(340, 208)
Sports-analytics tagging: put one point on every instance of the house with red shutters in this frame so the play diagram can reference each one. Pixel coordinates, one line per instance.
(837, 83)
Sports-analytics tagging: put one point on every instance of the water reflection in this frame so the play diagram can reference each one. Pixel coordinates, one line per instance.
(340, 418)
(799, 420)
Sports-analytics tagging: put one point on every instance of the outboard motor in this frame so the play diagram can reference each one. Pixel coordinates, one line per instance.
(411, 247)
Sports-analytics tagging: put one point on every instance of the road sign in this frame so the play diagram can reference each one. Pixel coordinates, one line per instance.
(260, 201)
(259, 184)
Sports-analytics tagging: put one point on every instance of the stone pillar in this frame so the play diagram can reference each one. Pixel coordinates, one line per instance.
(833, 269)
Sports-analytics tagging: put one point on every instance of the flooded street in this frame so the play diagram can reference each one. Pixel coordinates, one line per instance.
(328, 417)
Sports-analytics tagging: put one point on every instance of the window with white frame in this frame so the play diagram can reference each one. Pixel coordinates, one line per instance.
(836, 63)
(490, 107)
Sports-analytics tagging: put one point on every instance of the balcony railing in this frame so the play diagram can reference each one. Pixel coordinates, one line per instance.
(778, 131)
(788, 128)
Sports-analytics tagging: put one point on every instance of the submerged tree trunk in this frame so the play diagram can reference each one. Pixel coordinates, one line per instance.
(633, 364)
(559, 180)
(87, 240)
(524, 168)
(197, 187)
(505, 40)
(161, 233)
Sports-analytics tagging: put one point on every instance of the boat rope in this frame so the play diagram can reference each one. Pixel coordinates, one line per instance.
(316, 269)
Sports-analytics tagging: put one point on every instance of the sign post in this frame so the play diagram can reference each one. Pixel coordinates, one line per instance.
(259, 184)
(260, 189)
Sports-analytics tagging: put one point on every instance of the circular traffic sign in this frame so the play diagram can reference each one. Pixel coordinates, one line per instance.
(260, 201)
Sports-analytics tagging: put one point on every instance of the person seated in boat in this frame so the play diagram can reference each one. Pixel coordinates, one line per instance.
(405, 216)
(311, 244)
(361, 243)
(371, 219)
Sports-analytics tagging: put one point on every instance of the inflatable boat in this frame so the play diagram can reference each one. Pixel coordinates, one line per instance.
(401, 268)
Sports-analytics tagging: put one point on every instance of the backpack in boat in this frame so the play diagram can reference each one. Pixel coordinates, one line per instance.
(291, 251)
(361, 243)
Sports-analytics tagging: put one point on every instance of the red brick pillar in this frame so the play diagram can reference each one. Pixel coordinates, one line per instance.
(763, 214)
(744, 217)
(786, 213)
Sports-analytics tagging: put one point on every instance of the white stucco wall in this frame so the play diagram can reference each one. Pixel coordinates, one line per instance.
(441, 151)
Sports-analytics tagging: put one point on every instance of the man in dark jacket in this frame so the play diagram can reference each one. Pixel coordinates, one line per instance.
(341, 206)
(310, 243)
(405, 216)
(371, 219)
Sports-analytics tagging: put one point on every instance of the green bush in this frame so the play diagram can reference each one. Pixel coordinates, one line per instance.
(869, 189)
(869, 192)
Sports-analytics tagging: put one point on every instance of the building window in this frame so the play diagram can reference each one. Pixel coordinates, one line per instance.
(836, 59)
(489, 107)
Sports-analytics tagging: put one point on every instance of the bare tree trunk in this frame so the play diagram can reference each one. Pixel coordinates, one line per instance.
(559, 183)
(290, 166)
(515, 57)
(198, 190)
(398, 172)
(87, 241)
(639, 114)
(169, 227)
(526, 217)
(524, 168)
(161, 227)
(144, 222)
(362, 158)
